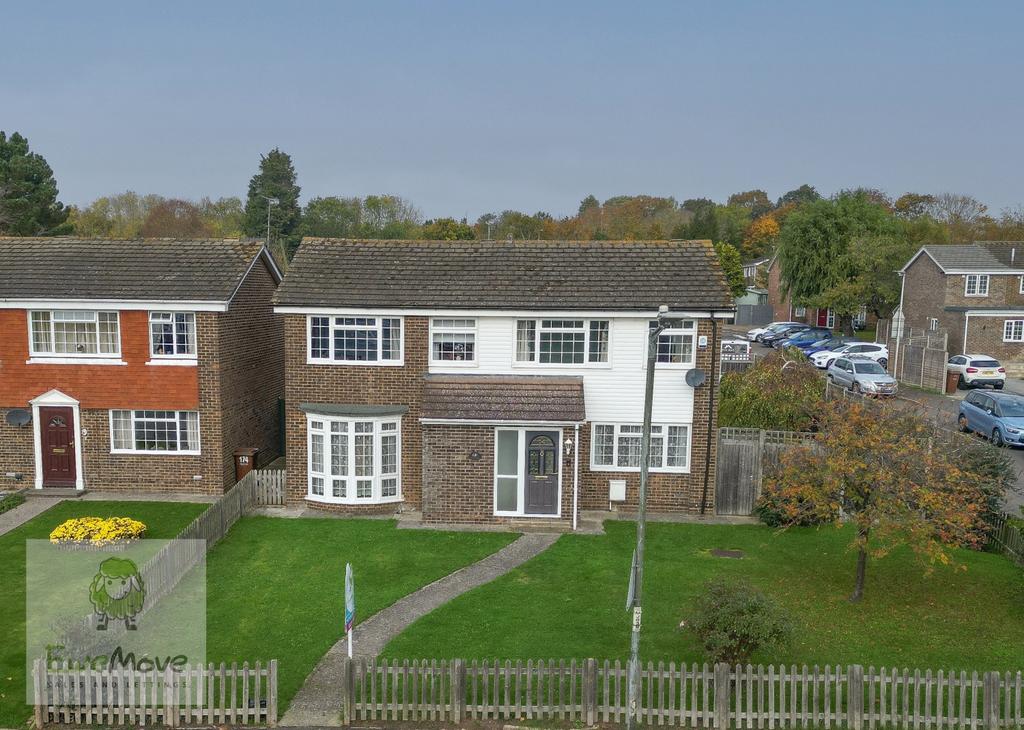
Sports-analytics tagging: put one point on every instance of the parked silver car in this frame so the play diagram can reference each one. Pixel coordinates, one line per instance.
(861, 375)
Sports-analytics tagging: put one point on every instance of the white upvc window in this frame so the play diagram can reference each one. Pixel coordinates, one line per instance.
(154, 432)
(933, 324)
(74, 333)
(354, 460)
(676, 344)
(563, 341)
(976, 285)
(355, 340)
(1013, 330)
(799, 311)
(453, 341)
(172, 335)
(1021, 290)
(616, 447)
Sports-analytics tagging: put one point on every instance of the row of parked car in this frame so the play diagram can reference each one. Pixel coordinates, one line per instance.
(820, 344)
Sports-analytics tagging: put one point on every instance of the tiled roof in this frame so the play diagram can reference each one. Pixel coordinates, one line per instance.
(968, 257)
(536, 275)
(1010, 253)
(144, 269)
(517, 398)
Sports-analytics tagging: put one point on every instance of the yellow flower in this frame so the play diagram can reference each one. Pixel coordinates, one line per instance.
(98, 530)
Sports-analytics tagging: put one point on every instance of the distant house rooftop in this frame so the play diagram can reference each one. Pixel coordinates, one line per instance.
(971, 258)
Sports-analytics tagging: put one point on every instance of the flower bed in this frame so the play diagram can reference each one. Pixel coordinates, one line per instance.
(97, 532)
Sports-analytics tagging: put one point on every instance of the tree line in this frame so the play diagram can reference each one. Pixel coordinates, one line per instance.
(839, 252)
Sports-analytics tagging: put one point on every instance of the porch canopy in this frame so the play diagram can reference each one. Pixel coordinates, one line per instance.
(504, 399)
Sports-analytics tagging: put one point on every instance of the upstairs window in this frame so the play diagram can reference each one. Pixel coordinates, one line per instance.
(453, 341)
(976, 285)
(74, 333)
(172, 334)
(562, 341)
(356, 340)
(675, 343)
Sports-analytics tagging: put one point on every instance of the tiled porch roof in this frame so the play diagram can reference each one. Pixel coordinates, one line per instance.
(511, 398)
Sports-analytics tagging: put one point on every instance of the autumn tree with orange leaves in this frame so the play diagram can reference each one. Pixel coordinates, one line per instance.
(881, 470)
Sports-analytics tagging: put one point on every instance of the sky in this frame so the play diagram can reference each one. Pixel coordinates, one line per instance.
(471, 107)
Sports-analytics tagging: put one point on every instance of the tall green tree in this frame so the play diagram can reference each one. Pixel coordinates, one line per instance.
(839, 253)
(798, 196)
(755, 201)
(732, 265)
(28, 192)
(332, 217)
(276, 181)
(447, 229)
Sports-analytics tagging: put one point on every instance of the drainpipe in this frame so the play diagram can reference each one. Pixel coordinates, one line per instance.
(576, 477)
(711, 415)
(899, 332)
(967, 322)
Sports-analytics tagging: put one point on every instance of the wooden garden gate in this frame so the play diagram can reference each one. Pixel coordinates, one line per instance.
(744, 454)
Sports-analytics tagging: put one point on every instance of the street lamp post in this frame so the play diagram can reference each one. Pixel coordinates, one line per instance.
(636, 579)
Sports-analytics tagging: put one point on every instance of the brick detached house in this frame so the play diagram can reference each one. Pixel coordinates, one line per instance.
(783, 309)
(975, 292)
(486, 382)
(136, 365)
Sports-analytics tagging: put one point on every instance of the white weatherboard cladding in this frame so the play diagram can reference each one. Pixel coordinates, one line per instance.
(614, 391)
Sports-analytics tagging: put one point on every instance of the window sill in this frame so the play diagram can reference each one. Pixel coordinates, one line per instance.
(182, 361)
(454, 364)
(357, 363)
(563, 365)
(636, 470)
(351, 502)
(44, 360)
(122, 452)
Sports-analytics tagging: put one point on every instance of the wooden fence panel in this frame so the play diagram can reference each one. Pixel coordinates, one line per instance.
(742, 697)
(745, 455)
(192, 696)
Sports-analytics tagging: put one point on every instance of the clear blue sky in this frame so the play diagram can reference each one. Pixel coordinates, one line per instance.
(469, 107)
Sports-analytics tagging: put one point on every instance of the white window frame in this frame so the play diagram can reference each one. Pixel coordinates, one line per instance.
(978, 279)
(521, 475)
(437, 329)
(1013, 330)
(73, 356)
(535, 362)
(689, 327)
(1021, 290)
(636, 469)
(191, 332)
(830, 319)
(378, 327)
(350, 478)
(154, 452)
(933, 324)
(799, 311)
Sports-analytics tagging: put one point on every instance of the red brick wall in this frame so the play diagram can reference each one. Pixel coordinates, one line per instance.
(985, 337)
(135, 385)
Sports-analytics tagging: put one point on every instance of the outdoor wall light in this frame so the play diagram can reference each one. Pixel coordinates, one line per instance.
(474, 455)
(568, 446)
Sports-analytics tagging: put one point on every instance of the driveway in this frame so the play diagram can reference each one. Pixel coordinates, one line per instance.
(943, 409)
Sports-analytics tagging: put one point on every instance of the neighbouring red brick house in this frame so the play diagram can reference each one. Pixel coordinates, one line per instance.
(975, 292)
(483, 381)
(136, 365)
(783, 309)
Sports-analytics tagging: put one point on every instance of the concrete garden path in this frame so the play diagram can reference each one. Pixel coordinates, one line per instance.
(318, 702)
(25, 511)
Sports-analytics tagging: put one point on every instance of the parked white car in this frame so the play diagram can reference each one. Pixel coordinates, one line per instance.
(873, 350)
(753, 334)
(975, 370)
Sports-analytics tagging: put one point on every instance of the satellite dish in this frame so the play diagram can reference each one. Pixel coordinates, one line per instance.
(695, 377)
(18, 417)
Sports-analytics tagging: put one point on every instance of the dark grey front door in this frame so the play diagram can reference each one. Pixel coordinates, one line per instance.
(542, 472)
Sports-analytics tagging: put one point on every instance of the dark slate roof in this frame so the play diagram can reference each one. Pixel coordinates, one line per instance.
(518, 398)
(605, 275)
(968, 257)
(144, 269)
(1010, 253)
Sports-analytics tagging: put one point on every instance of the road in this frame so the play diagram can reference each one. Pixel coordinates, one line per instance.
(943, 410)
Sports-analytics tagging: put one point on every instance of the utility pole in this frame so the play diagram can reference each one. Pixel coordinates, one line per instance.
(637, 577)
(271, 202)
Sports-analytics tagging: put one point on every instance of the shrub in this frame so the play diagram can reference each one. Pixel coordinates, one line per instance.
(781, 391)
(97, 530)
(732, 620)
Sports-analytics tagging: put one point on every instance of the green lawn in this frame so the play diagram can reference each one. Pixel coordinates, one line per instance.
(163, 520)
(865, 335)
(275, 587)
(569, 602)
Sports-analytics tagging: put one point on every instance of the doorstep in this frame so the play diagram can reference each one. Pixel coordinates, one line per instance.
(55, 492)
(413, 520)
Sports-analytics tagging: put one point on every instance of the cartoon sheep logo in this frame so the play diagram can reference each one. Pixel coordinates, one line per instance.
(117, 592)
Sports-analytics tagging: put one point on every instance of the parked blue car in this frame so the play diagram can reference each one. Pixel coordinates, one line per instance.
(998, 416)
(830, 343)
(806, 337)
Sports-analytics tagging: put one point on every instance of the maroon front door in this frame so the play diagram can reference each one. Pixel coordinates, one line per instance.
(57, 432)
(823, 318)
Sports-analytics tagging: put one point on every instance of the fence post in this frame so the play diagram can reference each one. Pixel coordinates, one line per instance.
(348, 690)
(170, 701)
(272, 693)
(590, 692)
(723, 690)
(990, 700)
(855, 697)
(38, 684)
(458, 672)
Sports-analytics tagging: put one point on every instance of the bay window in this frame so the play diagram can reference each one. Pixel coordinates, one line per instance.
(354, 460)
(172, 334)
(356, 340)
(142, 432)
(616, 447)
(453, 341)
(562, 341)
(74, 333)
